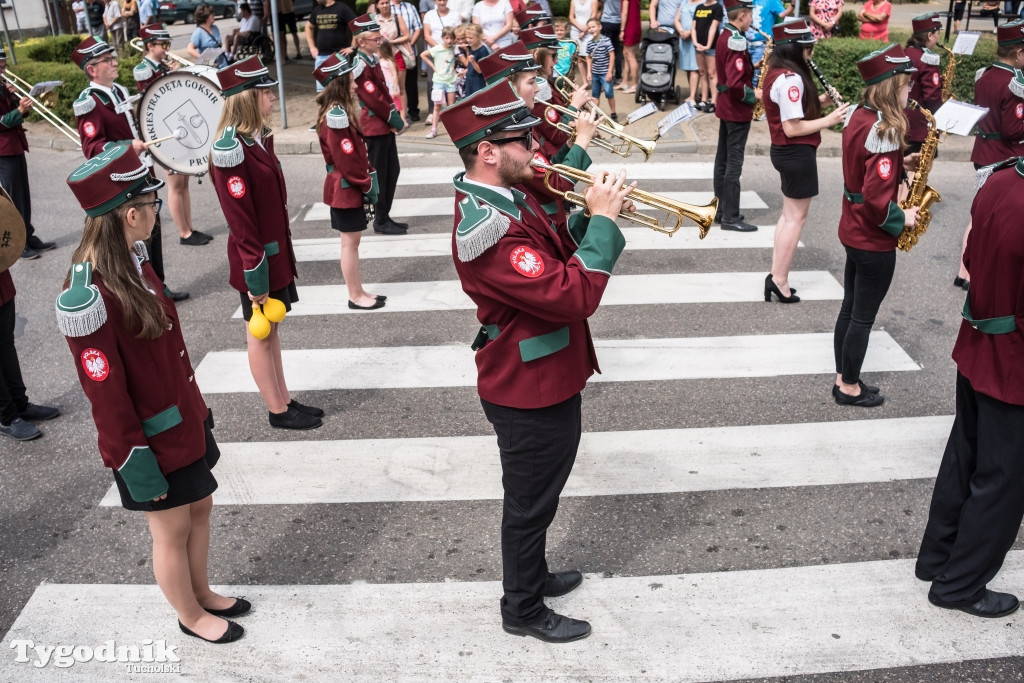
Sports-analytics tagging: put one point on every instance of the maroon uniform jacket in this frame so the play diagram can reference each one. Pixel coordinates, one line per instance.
(378, 116)
(774, 115)
(98, 121)
(927, 90)
(12, 135)
(348, 169)
(735, 77)
(535, 283)
(7, 290)
(148, 71)
(872, 171)
(994, 363)
(144, 397)
(252, 194)
(999, 131)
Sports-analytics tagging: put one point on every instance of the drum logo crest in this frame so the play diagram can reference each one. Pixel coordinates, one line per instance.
(187, 116)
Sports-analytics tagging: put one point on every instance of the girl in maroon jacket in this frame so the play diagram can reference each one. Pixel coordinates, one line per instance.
(152, 424)
(873, 185)
(350, 184)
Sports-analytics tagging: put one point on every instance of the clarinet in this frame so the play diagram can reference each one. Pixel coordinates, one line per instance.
(833, 94)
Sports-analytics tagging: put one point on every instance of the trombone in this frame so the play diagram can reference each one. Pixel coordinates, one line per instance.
(138, 45)
(674, 211)
(624, 146)
(24, 88)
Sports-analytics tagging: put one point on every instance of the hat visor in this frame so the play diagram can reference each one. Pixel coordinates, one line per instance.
(528, 122)
(152, 185)
(265, 82)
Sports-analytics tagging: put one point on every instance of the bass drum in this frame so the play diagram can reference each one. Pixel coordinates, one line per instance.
(12, 232)
(186, 99)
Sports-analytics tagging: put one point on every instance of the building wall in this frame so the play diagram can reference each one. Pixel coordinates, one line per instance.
(31, 16)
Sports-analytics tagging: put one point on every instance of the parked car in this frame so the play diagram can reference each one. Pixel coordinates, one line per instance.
(302, 8)
(185, 10)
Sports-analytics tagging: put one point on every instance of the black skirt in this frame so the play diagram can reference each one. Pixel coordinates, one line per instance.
(286, 295)
(798, 167)
(187, 485)
(348, 220)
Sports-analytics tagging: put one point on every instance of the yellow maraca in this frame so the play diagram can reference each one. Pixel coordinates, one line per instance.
(259, 326)
(274, 310)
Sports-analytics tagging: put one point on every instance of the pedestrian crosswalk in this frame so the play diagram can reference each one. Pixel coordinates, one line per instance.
(773, 436)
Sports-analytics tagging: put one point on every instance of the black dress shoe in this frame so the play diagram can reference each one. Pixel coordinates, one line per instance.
(377, 303)
(293, 419)
(403, 226)
(552, 628)
(177, 296)
(20, 430)
(38, 245)
(308, 410)
(234, 632)
(718, 218)
(196, 239)
(240, 607)
(389, 228)
(28, 253)
(992, 605)
(561, 583)
(34, 413)
(865, 399)
(739, 226)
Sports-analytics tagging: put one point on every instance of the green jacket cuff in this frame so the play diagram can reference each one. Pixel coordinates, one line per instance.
(601, 245)
(748, 96)
(578, 226)
(395, 120)
(894, 220)
(258, 279)
(373, 194)
(578, 158)
(142, 475)
(11, 119)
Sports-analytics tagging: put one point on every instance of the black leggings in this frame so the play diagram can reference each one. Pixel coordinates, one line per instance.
(12, 387)
(867, 280)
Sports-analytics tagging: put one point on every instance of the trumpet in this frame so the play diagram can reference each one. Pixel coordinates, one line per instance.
(23, 88)
(674, 211)
(565, 87)
(138, 45)
(624, 146)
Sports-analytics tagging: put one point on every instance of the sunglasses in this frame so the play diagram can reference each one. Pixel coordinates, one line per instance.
(527, 140)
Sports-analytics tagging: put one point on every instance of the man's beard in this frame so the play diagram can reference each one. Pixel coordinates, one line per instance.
(512, 172)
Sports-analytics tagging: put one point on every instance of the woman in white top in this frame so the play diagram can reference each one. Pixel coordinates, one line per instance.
(395, 32)
(437, 20)
(580, 12)
(495, 18)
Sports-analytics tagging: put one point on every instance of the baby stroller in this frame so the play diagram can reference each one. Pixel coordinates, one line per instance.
(659, 55)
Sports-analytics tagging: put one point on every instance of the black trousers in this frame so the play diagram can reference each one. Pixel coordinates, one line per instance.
(538, 449)
(14, 178)
(412, 87)
(865, 284)
(383, 153)
(12, 388)
(612, 30)
(732, 141)
(978, 501)
(156, 251)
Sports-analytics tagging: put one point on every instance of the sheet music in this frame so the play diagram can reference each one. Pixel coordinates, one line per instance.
(642, 112)
(965, 43)
(209, 56)
(681, 113)
(958, 118)
(44, 87)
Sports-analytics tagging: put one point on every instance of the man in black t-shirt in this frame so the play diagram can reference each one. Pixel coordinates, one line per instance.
(327, 31)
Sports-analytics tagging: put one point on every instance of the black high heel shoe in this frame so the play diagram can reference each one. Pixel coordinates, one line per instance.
(770, 287)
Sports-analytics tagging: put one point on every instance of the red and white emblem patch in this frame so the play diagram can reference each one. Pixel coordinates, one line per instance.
(347, 147)
(526, 262)
(794, 93)
(370, 87)
(89, 129)
(884, 168)
(935, 79)
(1019, 112)
(552, 115)
(739, 64)
(236, 187)
(539, 158)
(95, 364)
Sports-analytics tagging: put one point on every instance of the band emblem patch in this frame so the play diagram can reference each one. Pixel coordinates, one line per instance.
(739, 63)
(1019, 111)
(884, 169)
(89, 128)
(95, 364)
(552, 116)
(794, 93)
(527, 262)
(935, 78)
(236, 187)
(347, 147)
(370, 87)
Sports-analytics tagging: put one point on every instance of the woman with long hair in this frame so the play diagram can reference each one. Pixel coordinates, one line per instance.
(251, 189)
(395, 32)
(874, 142)
(351, 183)
(793, 109)
(153, 426)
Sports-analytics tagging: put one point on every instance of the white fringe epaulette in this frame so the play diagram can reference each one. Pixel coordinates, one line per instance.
(983, 173)
(481, 227)
(227, 151)
(80, 308)
(737, 43)
(84, 104)
(930, 58)
(142, 71)
(849, 115)
(543, 90)
(979, 73)
(877, 144)
(1017, 86)
(337, 117)
(358, 67)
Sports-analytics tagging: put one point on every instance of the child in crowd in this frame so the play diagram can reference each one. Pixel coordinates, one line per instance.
(601, 65)
(461, 59)
(476, 50)
(516, 28)
(390, 69)
(567, 47)
(441, 58)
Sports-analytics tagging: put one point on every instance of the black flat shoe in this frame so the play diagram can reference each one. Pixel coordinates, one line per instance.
(561, 583)
(240, 607)
(403, 226)
(771, 288)
(372, 307)
(234, 632)
(37, 244)
(196, 239)
(991, 606)
(293, 419)
(34, 413)
(308, 410)
(863, 387)
(389, 229)
(865, 399)
(553, 628)
(380, 297)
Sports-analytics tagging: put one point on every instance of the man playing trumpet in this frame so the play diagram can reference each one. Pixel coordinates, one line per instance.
(535, 280)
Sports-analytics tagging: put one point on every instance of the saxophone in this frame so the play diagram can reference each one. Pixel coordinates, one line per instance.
(949, 74)
(920, 194)
(759, 105)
